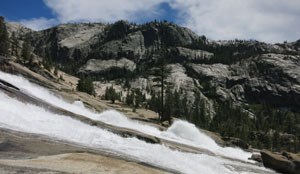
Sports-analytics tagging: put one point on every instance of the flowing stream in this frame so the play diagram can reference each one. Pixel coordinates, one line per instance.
(19, 116)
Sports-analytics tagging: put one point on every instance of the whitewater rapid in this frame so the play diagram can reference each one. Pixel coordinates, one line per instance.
(24, 117)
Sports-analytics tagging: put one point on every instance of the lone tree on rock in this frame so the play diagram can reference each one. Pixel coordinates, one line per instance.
(26, 52)
(161, 72)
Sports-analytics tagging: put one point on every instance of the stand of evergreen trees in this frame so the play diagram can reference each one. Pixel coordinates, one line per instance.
(266, 127)
(111, 94)
(85, 84)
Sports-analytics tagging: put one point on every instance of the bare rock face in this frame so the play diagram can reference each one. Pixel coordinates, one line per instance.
(95, 66)
(131, 46)
(66, 42)
(75, 36)
(214, 71)
(274, 76)
(192, 54)
(17, 28)
(175, 35)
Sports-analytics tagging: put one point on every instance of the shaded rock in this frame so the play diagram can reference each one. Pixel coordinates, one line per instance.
(256, 157)
(175, 35)
(5, 145)
(231, 141)
(280, 162)
(238, 92)
(66, 42)
(131, 46)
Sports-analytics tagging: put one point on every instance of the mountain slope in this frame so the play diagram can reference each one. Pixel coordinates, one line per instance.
(245, 89)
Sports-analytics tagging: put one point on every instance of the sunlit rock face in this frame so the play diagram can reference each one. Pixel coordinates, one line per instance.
(238, 71)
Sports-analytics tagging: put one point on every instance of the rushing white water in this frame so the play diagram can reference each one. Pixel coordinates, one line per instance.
(29, 118)
(180, 131)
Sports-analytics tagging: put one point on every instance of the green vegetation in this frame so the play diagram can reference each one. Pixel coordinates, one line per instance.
(4, 41)
(47, 63)
(26, 52)
(227, 53)
(117, 30)
(85, 84)
(263, 127)
(111, 94)
(161, 72)
(14, 45)
(135, 98)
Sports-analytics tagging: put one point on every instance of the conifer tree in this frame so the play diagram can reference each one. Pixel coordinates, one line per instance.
(110, 94)
(4, 41)
(129, 98)
(26, 49)
(14, 45)
(161, 72)
(85, 84)
(177, 104)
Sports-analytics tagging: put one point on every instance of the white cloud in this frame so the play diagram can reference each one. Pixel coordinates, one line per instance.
(265, 20)
(39, 23)
(103, 10)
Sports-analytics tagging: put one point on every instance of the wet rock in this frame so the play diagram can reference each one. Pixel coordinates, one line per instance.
(256, 157)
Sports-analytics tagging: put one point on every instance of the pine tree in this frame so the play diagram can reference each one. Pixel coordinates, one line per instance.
(14, 45)
(161, 72)
(4, 42)
(276, 142)
(204, 118)
(26, 49)
(184, 112)
(129, 98)
(110, 94)
(138, 97)
(177, 104)
(85, 84)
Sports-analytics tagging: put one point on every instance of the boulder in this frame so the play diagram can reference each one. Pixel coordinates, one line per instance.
(284, 163)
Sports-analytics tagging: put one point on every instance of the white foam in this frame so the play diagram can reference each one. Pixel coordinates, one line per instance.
(19, 116)
(78, 103)
(32, 119)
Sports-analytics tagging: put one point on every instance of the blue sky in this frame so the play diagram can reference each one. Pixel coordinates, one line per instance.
(264, 20)
(33, 9)
(16, 10)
